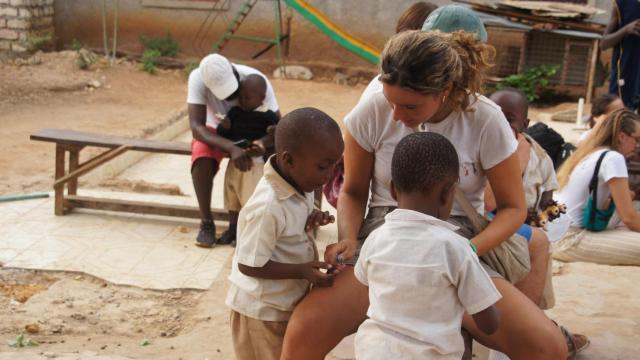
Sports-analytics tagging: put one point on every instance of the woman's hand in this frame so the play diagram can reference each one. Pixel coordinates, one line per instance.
(336, 254)
(240, 158)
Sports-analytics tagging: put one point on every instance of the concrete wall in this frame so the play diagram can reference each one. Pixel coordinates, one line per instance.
(23, 20)
(371, 20)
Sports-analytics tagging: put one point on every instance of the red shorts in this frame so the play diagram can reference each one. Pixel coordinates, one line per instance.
(202, 150)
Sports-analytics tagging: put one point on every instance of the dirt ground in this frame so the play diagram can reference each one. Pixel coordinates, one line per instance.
(76, 316)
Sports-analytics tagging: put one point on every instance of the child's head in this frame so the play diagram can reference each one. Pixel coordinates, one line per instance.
(515, 107)
(308, 146)
(603, 106)
(424, 173)
(253, 90)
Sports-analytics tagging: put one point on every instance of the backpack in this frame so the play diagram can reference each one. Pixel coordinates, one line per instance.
(551, 141)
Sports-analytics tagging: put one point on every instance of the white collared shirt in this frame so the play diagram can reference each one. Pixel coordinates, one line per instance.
(422, 277)
(271, 226)
(539, 175)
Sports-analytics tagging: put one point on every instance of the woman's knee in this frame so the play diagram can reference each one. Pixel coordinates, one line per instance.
(539, 244)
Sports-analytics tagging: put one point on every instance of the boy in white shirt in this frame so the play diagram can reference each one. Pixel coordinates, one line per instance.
(421, 275)
(276, 258)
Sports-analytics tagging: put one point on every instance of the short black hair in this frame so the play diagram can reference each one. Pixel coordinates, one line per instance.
(302, 126)
(422, 160)
(520, 96)
(255, 82)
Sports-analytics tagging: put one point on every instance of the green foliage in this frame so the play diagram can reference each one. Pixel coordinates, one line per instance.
(189, 67)
(40, 40)
(21, 342)
(150, 60)
(532, 82)
(75, 45)
(166, 45)
(85, 58)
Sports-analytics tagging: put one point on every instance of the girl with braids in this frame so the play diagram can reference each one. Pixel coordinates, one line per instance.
(614, 139)
(430, 82)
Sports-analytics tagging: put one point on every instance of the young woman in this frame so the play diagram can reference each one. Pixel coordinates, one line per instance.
(430, 82)
(619, 136)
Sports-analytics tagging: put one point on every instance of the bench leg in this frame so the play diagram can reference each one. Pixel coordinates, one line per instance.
(74, 161)
(59, 189)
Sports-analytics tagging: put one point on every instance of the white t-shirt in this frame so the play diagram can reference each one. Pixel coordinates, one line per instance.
(422, 277)
(481, 136)
(575, 193)
(198, 93)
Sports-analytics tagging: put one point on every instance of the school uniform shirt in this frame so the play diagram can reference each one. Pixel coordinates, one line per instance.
(199, 94)
(271, 226)
(575, 194)
(422, 277)
(481, 136)
(539, 175)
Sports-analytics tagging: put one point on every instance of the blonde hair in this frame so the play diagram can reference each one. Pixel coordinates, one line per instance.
(605, 134)
(428, 61)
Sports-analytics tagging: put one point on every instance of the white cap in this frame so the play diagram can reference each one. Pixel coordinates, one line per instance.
(217, 75)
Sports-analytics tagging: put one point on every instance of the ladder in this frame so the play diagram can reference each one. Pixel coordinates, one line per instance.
(234, 25)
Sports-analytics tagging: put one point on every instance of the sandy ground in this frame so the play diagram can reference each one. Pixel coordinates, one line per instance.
(75, 316)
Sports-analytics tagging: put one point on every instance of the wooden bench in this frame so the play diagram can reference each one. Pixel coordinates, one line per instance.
(74, 141)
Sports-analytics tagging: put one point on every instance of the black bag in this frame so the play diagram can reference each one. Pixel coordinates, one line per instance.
(551, 141)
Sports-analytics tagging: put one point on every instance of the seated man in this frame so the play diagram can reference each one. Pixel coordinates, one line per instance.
(212, 91)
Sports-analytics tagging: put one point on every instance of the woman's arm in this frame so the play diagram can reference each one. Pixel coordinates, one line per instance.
(352, 202)
(620, 193)
(506, 184)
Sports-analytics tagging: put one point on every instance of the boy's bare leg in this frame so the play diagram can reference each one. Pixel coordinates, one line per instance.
(330, 314)
(533, 284)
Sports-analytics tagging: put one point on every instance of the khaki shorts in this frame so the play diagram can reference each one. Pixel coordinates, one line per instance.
(255, 339)
(239, 185)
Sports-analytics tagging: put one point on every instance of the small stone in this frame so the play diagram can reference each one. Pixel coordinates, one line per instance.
(49, 355)
(295, 72)
(94, 84)
(103, 347)
(32, 328)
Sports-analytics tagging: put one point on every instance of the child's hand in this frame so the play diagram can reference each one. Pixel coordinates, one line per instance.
(256, 148)
(241, 159)
(311, 272)
(318, 218)
(336, 254)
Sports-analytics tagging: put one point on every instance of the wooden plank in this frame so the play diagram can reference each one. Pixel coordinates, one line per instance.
(58, 208)
(72, 137)
(595, 50)
(575, 25)
(91, 164)
(74, 160)
(139, 207)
